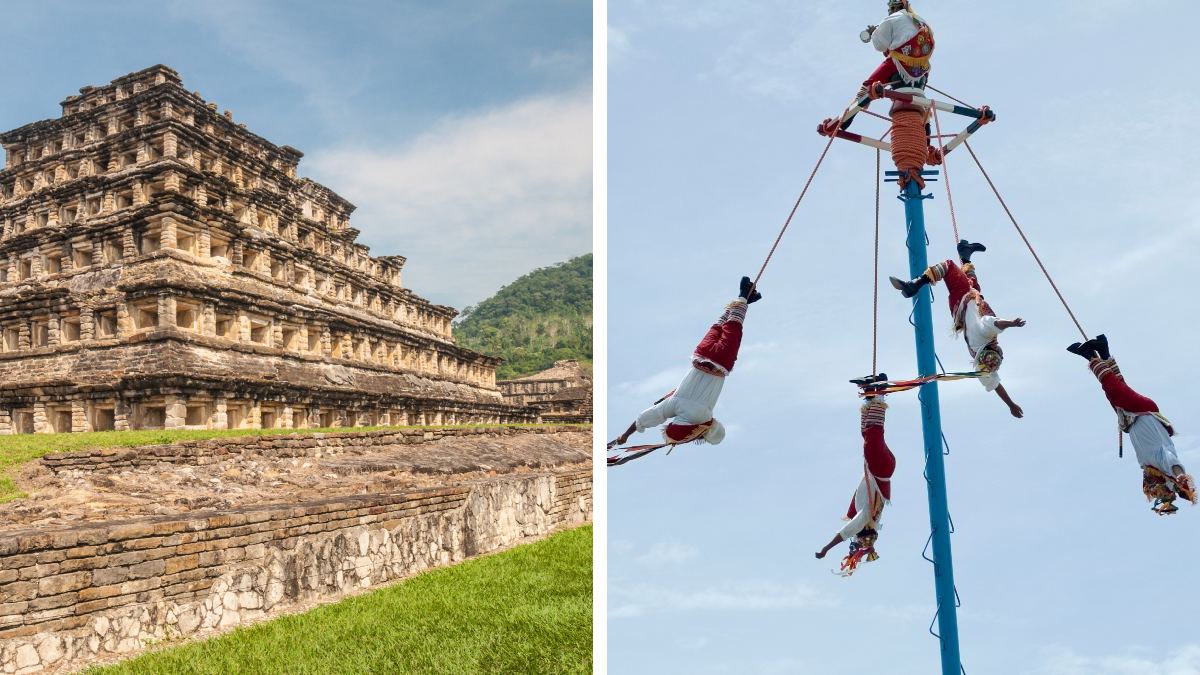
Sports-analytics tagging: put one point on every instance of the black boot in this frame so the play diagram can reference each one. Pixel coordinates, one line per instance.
(1095, 347)
(871, 385)
(966, 248)
(909, 288)
(745, 293)
(869, 379)
(1082, 349)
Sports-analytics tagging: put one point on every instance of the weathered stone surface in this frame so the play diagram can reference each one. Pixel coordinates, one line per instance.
(26, 656)
(246, 472)
(110, 575)
(63, 583)
(50, 650)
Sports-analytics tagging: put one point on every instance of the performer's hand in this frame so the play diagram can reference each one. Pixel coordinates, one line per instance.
(828, 127)
(1016, 411)
(871, 29)
(1018, 322)
(820, 555)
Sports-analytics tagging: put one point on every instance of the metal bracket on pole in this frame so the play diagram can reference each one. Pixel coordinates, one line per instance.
(930, 176)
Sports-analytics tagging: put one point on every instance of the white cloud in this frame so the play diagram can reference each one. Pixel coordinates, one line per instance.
(1180, 242)
(1182, 661)
(269, 40)
(560, 61)
(667, 553)
(692, 642)
(478, 200)
(652, 386)
(619, 47)
(766, 48)
(745, 596)
(1188, 447)
(912, 613)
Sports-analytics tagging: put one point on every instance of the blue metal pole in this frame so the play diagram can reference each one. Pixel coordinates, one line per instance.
(931, 424)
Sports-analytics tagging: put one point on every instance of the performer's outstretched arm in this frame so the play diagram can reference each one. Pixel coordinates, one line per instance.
(1012, 406)
(837, 539)
(1004, 324)
(620, 440)
(653, 416)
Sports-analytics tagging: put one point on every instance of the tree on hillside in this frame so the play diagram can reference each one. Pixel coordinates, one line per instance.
(543, 317)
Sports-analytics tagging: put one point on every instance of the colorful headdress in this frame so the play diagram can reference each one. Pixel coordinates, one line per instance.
(862, 549)
(1160, 490)
(989, 358)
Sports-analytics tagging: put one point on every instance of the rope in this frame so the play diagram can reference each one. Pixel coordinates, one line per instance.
(875, 278)
(795, 206)
(956, 100)
(1026, 240)
(910, 146)
(946, 175)
(634, 452)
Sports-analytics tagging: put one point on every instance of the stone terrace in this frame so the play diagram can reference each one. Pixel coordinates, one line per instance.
(232, 473)
(117, 549)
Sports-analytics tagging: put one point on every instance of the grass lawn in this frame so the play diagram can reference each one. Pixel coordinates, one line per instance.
(526, 610)
(18, 449)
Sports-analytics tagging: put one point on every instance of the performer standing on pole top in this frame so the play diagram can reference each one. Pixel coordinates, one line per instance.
(972, 315)
(907, 45)
(1163, 475)
(689, 408)
(875, 489)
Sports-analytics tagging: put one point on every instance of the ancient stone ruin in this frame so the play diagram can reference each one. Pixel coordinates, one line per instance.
(561, 393)
(119, 549)
(163, 267)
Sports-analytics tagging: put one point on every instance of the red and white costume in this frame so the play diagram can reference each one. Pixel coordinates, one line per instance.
(1139, 417)
(907, 45)
(690, 407)
(973, 316)
(875, 489)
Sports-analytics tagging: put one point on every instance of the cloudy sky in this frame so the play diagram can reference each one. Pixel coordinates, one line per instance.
(461, 130)
(1061, 566)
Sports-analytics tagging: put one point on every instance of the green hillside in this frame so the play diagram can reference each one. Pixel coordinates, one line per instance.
(543, 317)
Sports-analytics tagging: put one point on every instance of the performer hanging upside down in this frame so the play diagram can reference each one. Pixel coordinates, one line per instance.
(875, 489)
(689, 408)
(907, 45)
(1163, 476)
(971, 315)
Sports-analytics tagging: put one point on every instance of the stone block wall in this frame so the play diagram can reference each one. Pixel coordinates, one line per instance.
(70, 596)
(290, 445)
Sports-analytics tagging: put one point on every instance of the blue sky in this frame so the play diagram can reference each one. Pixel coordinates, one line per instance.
(461, 130)
(1061, 567)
